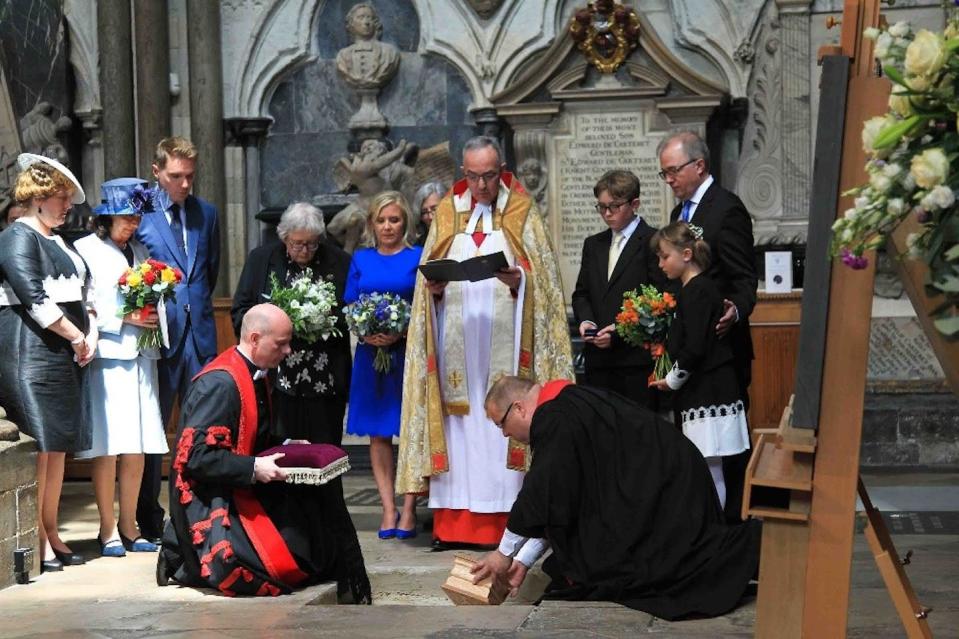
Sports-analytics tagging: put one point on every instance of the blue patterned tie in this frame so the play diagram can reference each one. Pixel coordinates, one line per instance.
(176, 225)
(687, 206)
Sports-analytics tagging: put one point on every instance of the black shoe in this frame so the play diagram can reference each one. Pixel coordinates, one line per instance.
(70, 558)
(163, 573)
(51, 565)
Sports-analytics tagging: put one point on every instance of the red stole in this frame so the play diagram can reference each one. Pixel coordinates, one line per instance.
(550, 390)
(264, 536)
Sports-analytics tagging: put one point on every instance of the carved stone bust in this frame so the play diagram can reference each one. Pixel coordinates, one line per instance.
(367, 63)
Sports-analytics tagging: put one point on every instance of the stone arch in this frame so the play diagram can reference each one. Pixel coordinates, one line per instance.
(257, 59)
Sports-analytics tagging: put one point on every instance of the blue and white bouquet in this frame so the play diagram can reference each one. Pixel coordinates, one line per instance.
(311, 306)
(378, 313)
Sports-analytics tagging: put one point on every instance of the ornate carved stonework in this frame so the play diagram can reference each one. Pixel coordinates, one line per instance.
(606, 32)
(721, 31)
(374, 169)
(760, 179)
(9, 142)
(367, 65)
(485, 8)
(41, 135)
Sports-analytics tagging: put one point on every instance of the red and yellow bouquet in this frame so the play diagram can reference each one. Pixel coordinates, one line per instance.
(145, 288)
(644, 321)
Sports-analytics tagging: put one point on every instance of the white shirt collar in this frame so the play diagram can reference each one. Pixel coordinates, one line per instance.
(629, 228)
(701, 191)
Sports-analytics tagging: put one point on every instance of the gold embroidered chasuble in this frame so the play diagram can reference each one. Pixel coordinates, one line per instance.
(543, 334)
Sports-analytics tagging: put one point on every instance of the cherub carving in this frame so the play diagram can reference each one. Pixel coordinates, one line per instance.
(374, 169)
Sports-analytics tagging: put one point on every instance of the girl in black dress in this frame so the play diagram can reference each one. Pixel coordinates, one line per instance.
(707, 395)
(46, 336)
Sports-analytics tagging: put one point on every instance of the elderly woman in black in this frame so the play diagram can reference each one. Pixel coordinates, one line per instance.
(46, 336)
(312, 384)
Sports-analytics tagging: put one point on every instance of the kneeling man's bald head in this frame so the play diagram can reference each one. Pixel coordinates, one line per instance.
(265, 335)
(510, 404)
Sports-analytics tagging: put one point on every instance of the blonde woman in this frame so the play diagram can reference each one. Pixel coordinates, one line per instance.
(387, 266)
(46, 336)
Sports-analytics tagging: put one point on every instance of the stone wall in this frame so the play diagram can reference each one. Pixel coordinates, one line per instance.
(18, 500)
(910, 429)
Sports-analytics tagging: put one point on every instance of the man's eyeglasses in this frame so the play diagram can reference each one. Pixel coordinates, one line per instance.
(485, 177)
(302, 246)
(502, 421)
(673, 171)
(611, 207)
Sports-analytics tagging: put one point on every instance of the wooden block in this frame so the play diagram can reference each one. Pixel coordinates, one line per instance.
(461, 590)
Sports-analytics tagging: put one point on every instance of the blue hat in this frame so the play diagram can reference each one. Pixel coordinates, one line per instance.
(125, 196)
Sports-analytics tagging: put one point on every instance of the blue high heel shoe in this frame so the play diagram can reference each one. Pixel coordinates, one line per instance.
(407, 534)
(389, 533)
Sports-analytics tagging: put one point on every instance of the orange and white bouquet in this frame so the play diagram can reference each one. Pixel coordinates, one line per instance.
(644, 321)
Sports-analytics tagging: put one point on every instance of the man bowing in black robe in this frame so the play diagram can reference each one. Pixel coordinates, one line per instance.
(624, 500)
(235, 525)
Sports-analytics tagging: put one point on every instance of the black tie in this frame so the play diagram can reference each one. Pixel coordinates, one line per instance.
(176, 225)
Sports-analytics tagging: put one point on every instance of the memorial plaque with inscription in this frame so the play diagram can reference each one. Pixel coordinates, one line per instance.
(899, 350)
(586, 143)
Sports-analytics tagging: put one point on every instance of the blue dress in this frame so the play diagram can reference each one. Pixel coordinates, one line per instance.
(375, 398)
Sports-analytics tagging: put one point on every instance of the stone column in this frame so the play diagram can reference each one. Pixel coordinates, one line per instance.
(250, 133)
(92, 155)
(116, 87)
(206, 115)
(796, 116)
(151, 24)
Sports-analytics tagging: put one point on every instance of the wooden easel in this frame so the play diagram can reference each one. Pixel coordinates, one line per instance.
(811, 461)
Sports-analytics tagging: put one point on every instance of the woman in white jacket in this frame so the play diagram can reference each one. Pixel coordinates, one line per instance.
(122, 380)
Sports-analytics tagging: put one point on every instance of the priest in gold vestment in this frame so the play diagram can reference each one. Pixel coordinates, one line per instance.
(465, 335)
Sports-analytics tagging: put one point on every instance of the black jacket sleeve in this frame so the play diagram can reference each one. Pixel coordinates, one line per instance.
(582, 309)
(211, 417)
(737, 265)
(698, 319)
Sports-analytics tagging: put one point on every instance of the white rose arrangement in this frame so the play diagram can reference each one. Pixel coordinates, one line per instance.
(912, 161)
(311, 306)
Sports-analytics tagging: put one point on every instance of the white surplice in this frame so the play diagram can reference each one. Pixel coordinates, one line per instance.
(478, 479)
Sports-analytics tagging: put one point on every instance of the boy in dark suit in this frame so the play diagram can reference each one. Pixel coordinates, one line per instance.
(183, 232)
(728, 229)
(615, 261)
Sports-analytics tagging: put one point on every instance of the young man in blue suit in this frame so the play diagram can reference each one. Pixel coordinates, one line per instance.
(183, 232)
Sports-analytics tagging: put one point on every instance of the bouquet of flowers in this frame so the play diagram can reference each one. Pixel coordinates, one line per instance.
(145, 288)
(309, 305)
(644, 321)
(375, 313)
(913, 162)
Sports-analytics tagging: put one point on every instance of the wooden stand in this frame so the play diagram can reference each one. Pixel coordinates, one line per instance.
(461, 590)
(803, 477)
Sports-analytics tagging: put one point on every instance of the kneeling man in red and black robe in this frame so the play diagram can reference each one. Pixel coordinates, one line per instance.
(235, 524)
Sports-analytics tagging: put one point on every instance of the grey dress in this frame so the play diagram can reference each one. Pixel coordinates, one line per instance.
(40, 384)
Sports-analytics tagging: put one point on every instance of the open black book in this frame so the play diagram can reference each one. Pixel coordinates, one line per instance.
(474, 269)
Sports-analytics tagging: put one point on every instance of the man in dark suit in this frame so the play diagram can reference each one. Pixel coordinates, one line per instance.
(615, 261)
(728, 229)
(184, 232)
